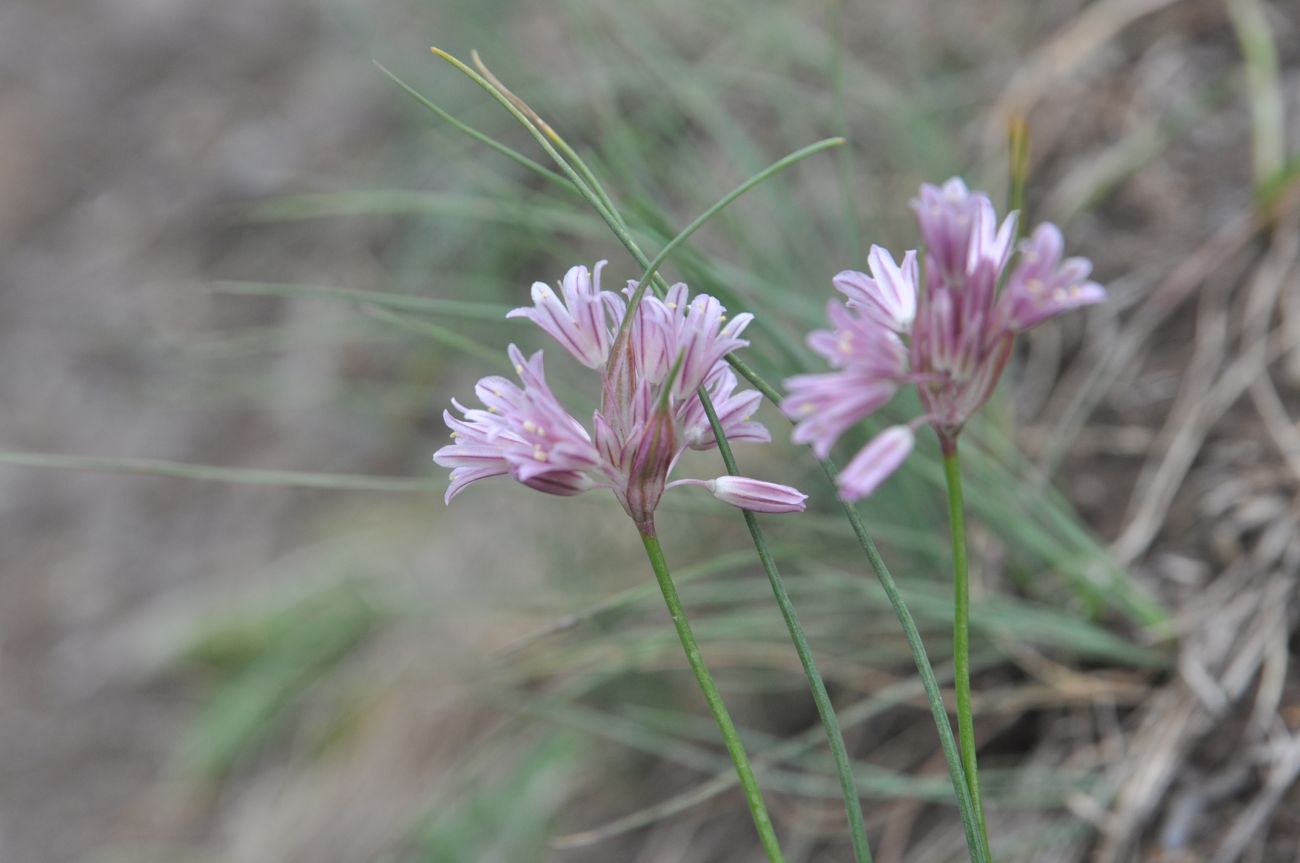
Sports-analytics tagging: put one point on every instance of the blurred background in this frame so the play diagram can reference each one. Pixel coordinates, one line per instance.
(296, 652)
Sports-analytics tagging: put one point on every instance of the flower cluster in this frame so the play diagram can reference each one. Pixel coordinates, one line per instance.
(949, 333)
(652, 364)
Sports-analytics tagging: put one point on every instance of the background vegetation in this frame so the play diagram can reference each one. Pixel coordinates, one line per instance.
(299, 653)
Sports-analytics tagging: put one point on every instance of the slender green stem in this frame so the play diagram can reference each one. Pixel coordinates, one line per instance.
(821, 698)
(589, 177)
(971, 814)
(652, 268)
(965, 803)
(730, 737)
(489, 141)
(513, 104)
(961, 632)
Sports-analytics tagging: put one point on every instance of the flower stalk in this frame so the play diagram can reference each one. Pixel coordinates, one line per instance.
(730, 737)
(961, 634)
(821, 698)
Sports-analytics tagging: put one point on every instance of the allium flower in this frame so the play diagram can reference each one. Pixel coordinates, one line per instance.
(949, 333)
(649, 415)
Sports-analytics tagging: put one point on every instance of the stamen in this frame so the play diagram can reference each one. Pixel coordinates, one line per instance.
(538, 453)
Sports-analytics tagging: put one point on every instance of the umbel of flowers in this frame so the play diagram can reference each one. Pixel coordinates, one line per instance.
(651, 366)
(948, 332)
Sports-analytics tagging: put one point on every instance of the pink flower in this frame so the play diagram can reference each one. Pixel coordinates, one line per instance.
(949, 334)
(889, 296)
(1044, 285)
(523, 432)
(581, 321)
(649, 415)
(875, 462)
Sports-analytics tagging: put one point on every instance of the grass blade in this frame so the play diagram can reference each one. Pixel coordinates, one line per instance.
(214, 473)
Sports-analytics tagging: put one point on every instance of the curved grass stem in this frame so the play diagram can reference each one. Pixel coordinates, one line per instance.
(970, 818)
(730, 737)
(821, 698)
(965, 803)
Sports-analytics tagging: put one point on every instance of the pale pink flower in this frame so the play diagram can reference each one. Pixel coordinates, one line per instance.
(649, 415)
(949, 334)
(581, 321)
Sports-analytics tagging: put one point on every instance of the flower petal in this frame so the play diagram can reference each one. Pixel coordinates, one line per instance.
(876, 462)
(581, 322)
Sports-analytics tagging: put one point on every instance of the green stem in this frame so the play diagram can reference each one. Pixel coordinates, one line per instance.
(965, 803)
(961, 631)
(652, 268)
(821, 698)
(730, 737)
(487, 140)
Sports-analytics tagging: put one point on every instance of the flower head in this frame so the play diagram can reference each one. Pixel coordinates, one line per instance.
(650, 412)
(949, 334)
